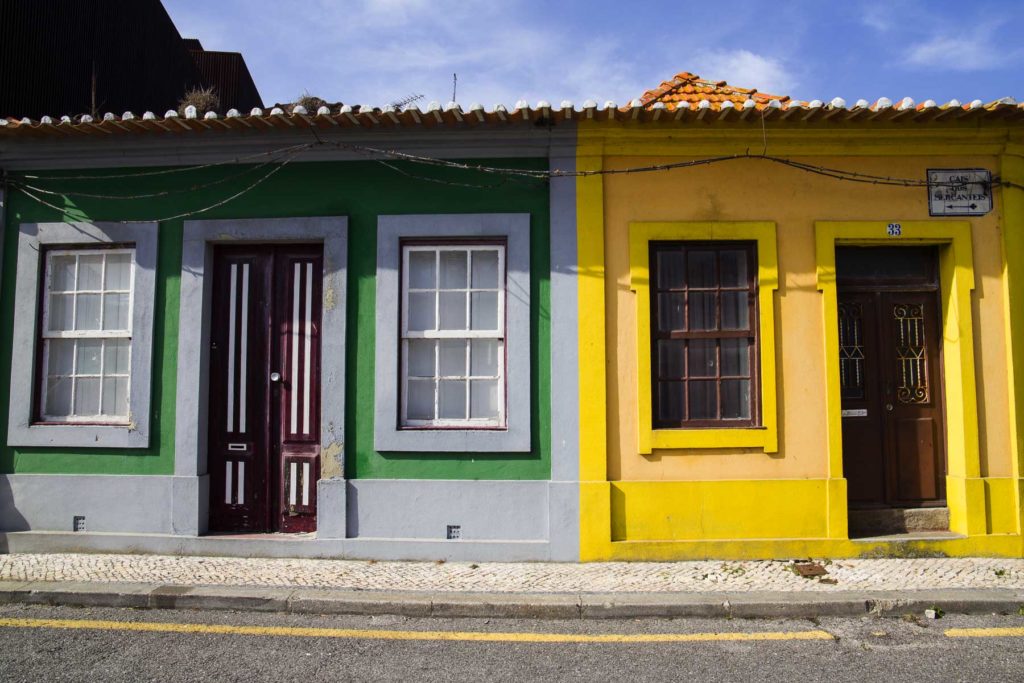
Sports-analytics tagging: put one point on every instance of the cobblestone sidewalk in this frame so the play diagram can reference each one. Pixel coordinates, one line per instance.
(675, 577)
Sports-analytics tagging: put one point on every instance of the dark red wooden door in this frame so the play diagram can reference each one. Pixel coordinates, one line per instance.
(890, 379)
(264, 404)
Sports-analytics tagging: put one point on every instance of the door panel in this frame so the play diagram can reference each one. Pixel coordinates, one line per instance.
(264, 406)
(912, 395)
(863, 447)
(238, 434)
(891, 387)
(298, 415)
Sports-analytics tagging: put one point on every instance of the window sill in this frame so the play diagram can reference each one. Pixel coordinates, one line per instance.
(77, 435)
(732, 437)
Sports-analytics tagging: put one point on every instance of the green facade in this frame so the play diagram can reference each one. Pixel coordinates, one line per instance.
(360, 190)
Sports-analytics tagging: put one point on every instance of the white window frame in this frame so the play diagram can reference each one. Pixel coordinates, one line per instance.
(498, 334)
(24, 428)
(46, 334)
(515, 435)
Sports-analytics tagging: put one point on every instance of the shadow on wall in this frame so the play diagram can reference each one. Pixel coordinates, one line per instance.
(10, 517)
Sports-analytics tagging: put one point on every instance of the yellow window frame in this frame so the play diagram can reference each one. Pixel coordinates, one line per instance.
(641, 234)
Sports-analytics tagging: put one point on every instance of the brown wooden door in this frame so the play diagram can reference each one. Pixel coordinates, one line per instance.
(893, 434)
(264, 404)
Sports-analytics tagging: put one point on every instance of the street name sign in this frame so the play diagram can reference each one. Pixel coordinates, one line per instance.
(959, 191)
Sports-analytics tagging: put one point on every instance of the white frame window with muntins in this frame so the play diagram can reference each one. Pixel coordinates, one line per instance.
(29, 424)
(88, 358)
(453, 362)
(509, 431)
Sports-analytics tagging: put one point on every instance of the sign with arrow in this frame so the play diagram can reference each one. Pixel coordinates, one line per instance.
(959, 191)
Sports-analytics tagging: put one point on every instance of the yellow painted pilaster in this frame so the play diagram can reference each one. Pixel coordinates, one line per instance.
(595, 509)
(1012, 196)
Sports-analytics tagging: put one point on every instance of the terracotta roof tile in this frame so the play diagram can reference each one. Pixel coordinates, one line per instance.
(690, 89)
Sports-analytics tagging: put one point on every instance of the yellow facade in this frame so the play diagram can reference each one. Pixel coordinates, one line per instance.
(779, 491)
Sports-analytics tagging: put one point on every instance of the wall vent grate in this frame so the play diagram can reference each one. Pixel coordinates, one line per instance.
(454, 532)
(78, 523)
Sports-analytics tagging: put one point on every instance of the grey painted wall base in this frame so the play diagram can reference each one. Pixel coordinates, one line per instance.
(364, 519)
(273, 545)
(112, 503)
(422, 510)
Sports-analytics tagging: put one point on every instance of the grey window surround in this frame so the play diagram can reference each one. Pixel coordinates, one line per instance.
(32, 238)
(194, 335)
(515, 437)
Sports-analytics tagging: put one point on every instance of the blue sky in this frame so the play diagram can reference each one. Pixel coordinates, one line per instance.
(378, 51)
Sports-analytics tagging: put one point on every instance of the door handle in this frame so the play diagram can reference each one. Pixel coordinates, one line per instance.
(275, 377)
(888, 406)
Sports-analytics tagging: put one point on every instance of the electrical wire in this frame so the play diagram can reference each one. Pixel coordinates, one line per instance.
(508, 173)
(153, 195)
(169, 171)
(186, 214)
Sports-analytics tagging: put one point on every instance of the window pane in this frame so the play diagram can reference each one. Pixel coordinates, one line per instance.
(671, 269)
(421, 311)
(485, 269)
(702, 311)
(700, 268)
(670, 358)
(702, 361)
(87, 357)
(87, 396)
(452, 400)
(484, 357)
(734, 268)
(87, 315)
(703, 401)
(453, 311)
(116, 357)
(483, 398)
(61, 312)
(62, 278)
(61, 356)
(421, 269)
(485, 310)
(118, 274)
(735, 311)
(735, 357)
(58, 396)
(670, 401)
(115, 311)
(736, 399)
(453, 357)
(670, 312)
(90, 271)
(420, 400)
(115, 396)
(421, 357)
(453, 269)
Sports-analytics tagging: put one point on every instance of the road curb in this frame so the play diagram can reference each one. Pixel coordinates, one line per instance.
(513, 605)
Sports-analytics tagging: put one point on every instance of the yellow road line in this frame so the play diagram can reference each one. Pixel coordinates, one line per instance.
(984, 632)
(303, 632)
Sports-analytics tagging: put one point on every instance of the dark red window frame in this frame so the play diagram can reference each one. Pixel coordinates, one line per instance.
(673, 293)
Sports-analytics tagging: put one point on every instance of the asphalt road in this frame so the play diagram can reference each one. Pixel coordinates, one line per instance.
(231, 646)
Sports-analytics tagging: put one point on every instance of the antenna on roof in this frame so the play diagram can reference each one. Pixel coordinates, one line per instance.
(455, 84)
(406, 101)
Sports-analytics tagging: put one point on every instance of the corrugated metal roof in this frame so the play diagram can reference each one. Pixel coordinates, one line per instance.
(452, 115)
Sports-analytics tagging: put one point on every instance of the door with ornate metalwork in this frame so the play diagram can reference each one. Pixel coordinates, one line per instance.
(912, 400)
(264, 404)
(890, 377)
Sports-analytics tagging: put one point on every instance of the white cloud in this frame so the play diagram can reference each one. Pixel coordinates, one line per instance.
(971, 51)
(746, 69)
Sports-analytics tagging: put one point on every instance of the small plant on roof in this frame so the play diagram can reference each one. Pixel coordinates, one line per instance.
(203, 99)
(311, 102)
